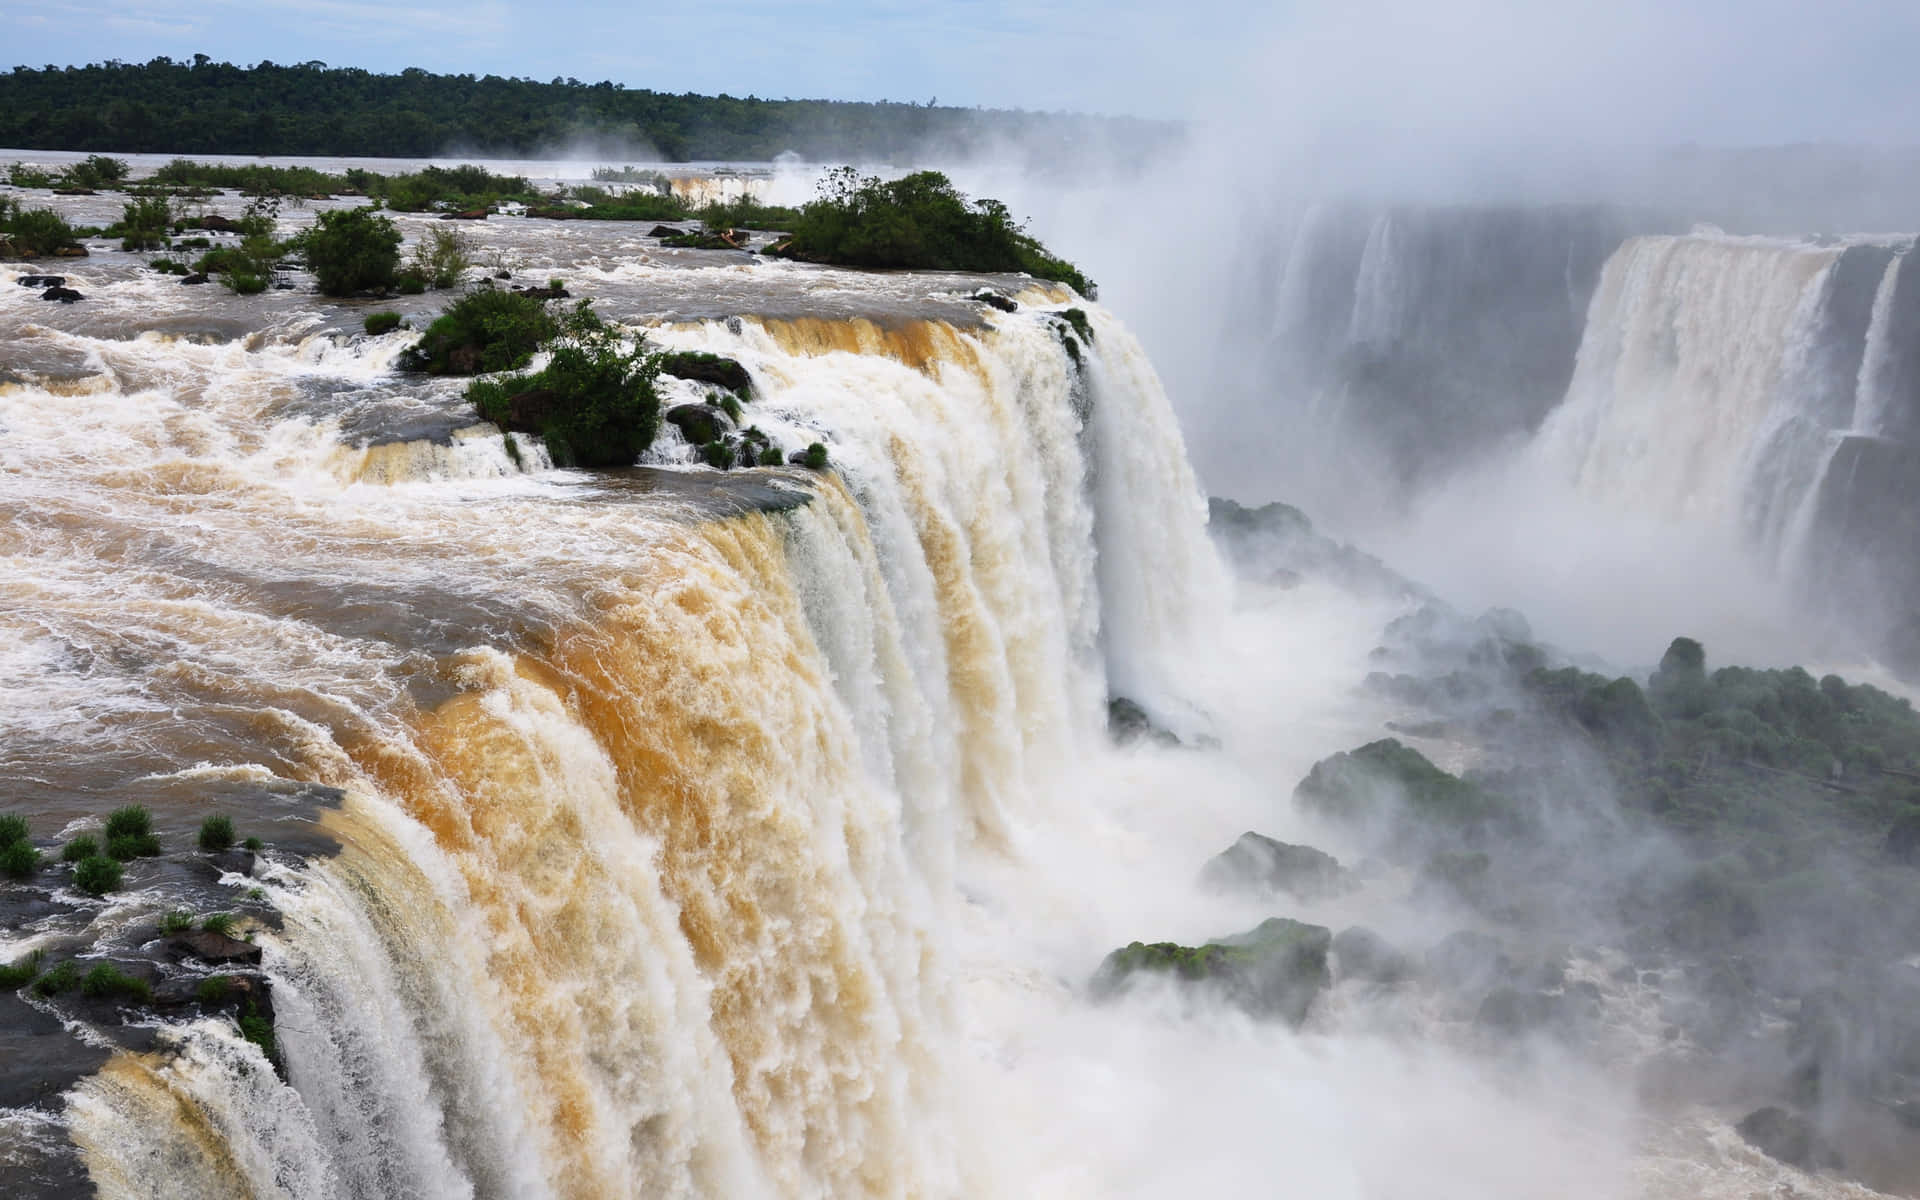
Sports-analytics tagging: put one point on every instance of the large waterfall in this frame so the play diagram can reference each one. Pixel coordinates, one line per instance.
(648, 814)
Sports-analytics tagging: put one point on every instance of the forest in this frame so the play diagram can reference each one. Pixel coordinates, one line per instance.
(205, 107)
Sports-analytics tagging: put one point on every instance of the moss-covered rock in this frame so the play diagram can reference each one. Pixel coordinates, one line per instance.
(707, 368)
(1256, 862)
(1272, 971)
(1391, 787)
(700, 424)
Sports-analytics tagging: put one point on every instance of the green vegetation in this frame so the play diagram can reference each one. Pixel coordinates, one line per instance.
(143, 224)
(167, 266)
(62, 978)
(207, 107)
(708, 368)
(441, 256)
(13, 828)
(220, 923)
(634, 206)
(253, 845)
(748, 213)
(19, 860)
(461, 189)
(918, 222)
(594, 405)
(33, 232)
(259, 1030)
(247, 268)
(97, 876)
(214, 989)
(95, 171)
(107, 981)
(770, 457)
(258, 179)
(815, 458)
(178, 920)
(130, 834)
(352, 250)
(488, 329)
(1273, 970)
(216, 833)
(19, 973)
(381, 322)
(1387, 781)
(81, 848)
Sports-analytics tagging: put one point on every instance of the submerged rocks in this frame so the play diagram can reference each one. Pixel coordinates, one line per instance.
(42, 281)
(1258, 862)
(64, 295)
(209, 946)
(1274, 971)
(195, 279)
(1788, 1137)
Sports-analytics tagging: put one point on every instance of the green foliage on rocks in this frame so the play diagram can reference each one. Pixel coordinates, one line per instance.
(20, 972)
(352, 250)
(143, 224)
(707, 368)
(487, 329)
(130, 834)
(33, 232)
(13, 828)
(64, 977)
(594, 404)
(921, 222)
(107, 981)
(381, 322)
(216, 833)
(1387, 782)
(1274, 970)
(79, 849)
(97, 876)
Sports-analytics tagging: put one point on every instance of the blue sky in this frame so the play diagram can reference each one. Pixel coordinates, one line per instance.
(1743, 71)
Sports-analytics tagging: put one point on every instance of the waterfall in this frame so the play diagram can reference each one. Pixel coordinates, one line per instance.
(650, 815)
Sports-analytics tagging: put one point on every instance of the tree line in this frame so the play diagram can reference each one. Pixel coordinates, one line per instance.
(205, 107)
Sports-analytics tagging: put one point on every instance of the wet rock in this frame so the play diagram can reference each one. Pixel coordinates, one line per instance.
(708, 368)
(71, 250)
(39, 1059)
(1360, 953)
(208, 946)
(1128, 722)
(1260, 863)
(698, 423)
(42, 281)
(503, 273)
(64, 295)
(1275, 970)
(215, 223)
(471, 214)
(239, 862)
(544, 293)
(663, 231)
(194, 280)
(996, 300)
(1788, 1137)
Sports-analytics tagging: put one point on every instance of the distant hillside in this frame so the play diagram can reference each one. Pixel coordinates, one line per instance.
(207, 107)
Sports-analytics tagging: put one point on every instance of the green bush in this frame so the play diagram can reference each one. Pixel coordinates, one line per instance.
(20, 973)
(216, 833)
(214, 989)
(770, 457)
(177, 921)
(97, 876)
(244, 283)
(411, 283)
(107, 980)
(816, 457)
(380, 322)
(441, 256)
(144, 223)
(96, 170)
(258, 1030)
(485, 330)
(32, 233)
(18, 860)
(220, 923)
(129, 821)
(594, 404)
(13, 828)
(167, 266)
(129, 846)
(63, 978)
(920, 222)
(352, 250)
(254, 844)
(83, 847)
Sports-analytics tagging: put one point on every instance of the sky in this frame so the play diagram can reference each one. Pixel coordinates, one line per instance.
(1717, 71)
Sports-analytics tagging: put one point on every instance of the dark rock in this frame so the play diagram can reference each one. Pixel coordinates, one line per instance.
(1275, 970)
(208, 946)
(42, 281)
(698, 423)
(239, 862)
(996, 300)
(708, 368)
(503, 273)
(64, 295)
(194, 280)
(39, 1059)
(663, 231)
(1788, 1137)
(1360, 953)
(215, 223)
(471, 214)
(1127, 721)
(1258, 862)
(544, 293)
(71, 250)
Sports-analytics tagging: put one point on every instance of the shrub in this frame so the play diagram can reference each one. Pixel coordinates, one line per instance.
(33, 233)
(129, 821)
(411, 284)
(353, 250)
(770, 457)
(258, 1030)
(18, 860)
(381, 322)
(108, 980)
(18, 974)
(254, 844)
(216, 833)
(919, 221)
(594, 404)
(129, 846)
(816, 457)
(177, 921)
(245, 283)
(81, 848)
(220, 923)
(97, 876)
(96, 170)
(144, 222)
(441, 256)
(62, 978)
(13, 828)
(167, 266)
(485, 330)
(214, 989)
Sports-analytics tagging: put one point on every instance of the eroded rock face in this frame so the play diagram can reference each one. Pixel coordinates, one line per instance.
(1788, 1137)
(1256, 862)
(1274, 971)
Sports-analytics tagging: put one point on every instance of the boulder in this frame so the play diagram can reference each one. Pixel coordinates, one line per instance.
(1360, 953)
(42, 281)
(544, 293)
(208, 946)
(663, 231)
(996, 300)
(1260, 863)
(71, 250)
(64, 295)
(707, 368)
(215, 223)
(698, 423)
(1128, 722)
(1788, 1137)
(1512, 1011)
(471, 214)
(1274, 970)
(194, 280)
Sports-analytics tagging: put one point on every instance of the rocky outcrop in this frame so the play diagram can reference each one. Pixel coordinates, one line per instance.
(1789, 1137)
(64, 295)
(1259, 863)
(708, 368)
(1274, 971)
(699, 423)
